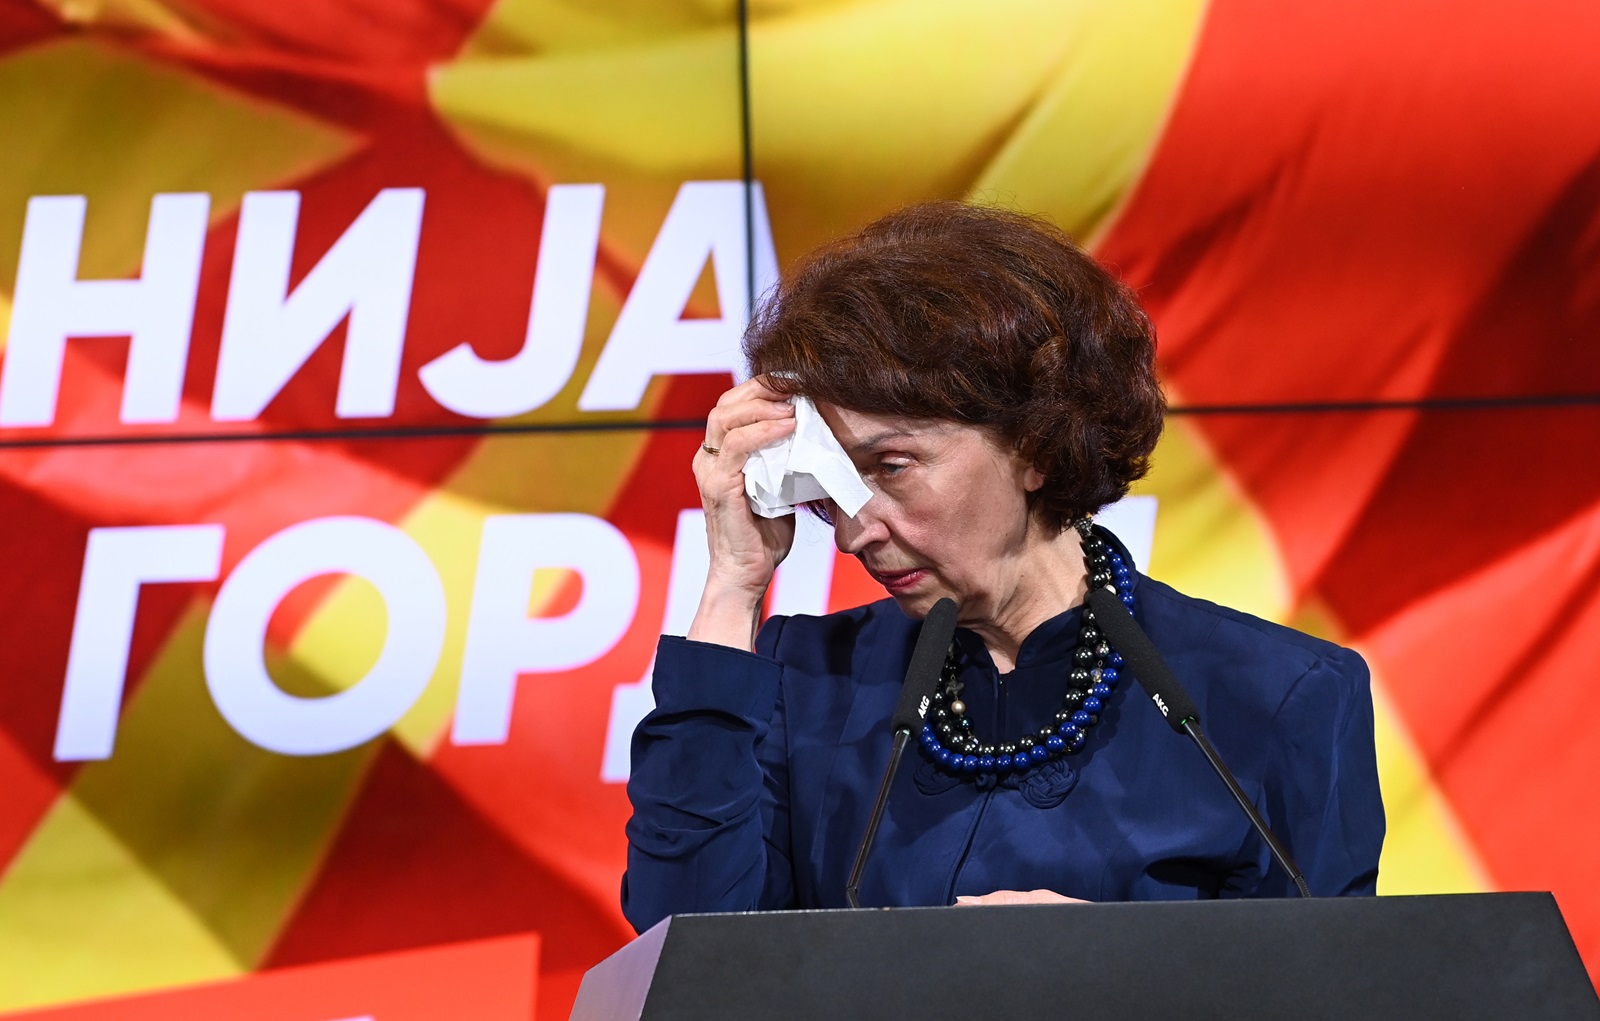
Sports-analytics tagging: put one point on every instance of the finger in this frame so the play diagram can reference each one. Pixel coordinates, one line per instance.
(754, 436)
(754, 388)
(997, 897)
(750, 437)
(725, 419)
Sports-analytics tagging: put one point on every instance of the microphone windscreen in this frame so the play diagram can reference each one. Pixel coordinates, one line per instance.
(1139, 656)
(927, 662)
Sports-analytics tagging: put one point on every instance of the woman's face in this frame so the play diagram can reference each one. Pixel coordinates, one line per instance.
(948, 514)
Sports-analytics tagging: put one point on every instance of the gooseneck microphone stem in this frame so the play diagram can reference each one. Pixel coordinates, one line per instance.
(922, 674)
(853, 887)
(1280, 854)
(1141, 658)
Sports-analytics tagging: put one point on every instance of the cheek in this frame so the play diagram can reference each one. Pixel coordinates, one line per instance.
(996, 505)
(949, 537)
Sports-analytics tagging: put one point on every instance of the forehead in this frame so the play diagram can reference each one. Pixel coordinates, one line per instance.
(865, 432)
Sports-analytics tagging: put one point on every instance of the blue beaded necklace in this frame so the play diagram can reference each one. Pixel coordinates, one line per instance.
(947, 736)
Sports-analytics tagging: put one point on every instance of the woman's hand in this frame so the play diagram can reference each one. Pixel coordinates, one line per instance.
(1019, 897)
(745, 548)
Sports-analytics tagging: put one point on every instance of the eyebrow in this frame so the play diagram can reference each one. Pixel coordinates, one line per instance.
(880, 437)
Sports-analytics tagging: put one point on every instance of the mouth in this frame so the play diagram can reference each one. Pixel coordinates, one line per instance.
(899, 581)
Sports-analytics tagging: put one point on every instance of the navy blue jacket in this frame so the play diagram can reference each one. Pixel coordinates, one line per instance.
(753, 777)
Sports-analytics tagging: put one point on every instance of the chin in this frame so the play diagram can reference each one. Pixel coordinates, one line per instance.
(916, 606)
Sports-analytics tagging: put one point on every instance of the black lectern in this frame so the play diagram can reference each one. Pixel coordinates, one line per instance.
(1457, 957)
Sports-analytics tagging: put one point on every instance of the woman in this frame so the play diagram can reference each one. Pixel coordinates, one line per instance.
(994, 387)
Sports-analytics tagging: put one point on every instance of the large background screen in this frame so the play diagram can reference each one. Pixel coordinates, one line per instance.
(355, 353)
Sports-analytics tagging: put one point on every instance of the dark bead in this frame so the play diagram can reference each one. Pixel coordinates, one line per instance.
(1102, 650)
(1100, 690)
(1008, 748)
(1078, 677)
(1083, 655)
(1092, 704)
(1088, 635)
(1039, 755)
(1063, 716)
(1070, 730)
(1127, 599)
(1043, 734)
(941, 714)
(1073, 698)
(1083, 719)
(1100, 579)
(1088, 615)
(1025, 742)
(987, 749)
(1056, 743)
(947, 731)
(986, 763)
(1075, 743)
(969, 763)
(945, 756)
(1108, 674)
(1002, 763)
(1116, 659)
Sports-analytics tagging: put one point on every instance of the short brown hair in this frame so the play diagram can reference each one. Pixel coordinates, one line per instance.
(983, 316)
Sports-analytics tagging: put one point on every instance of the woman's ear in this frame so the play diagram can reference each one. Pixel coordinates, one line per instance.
(1032, 479)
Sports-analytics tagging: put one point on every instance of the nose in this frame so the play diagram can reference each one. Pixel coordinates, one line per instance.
(854, 535)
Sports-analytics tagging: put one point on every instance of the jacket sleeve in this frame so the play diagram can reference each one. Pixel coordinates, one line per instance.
(1321, 793)
(709, 785)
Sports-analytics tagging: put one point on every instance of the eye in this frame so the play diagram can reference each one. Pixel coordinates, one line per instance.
(890, 469)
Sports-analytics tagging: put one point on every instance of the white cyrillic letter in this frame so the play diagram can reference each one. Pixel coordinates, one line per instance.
(52, 304)
(118, 561)
(801, 585)
(237, 675)
(650, 338)
(685, 581)
(502, 641)
(805, 578)
(1133, 520)
(268, 333)
(468, 385)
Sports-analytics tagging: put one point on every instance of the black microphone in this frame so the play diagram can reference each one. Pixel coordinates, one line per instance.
(922, 674)
(1140, 656)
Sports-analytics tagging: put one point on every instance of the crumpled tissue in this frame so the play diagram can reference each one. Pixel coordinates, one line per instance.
(808, 464)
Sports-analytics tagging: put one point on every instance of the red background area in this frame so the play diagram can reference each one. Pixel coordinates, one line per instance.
(1352, 204)
(497, 975)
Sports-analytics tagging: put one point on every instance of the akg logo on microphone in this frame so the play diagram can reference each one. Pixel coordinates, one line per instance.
(922, 707)
(1160, 705)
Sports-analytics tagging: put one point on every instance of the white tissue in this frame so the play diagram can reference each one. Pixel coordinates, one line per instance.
(808, 464)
